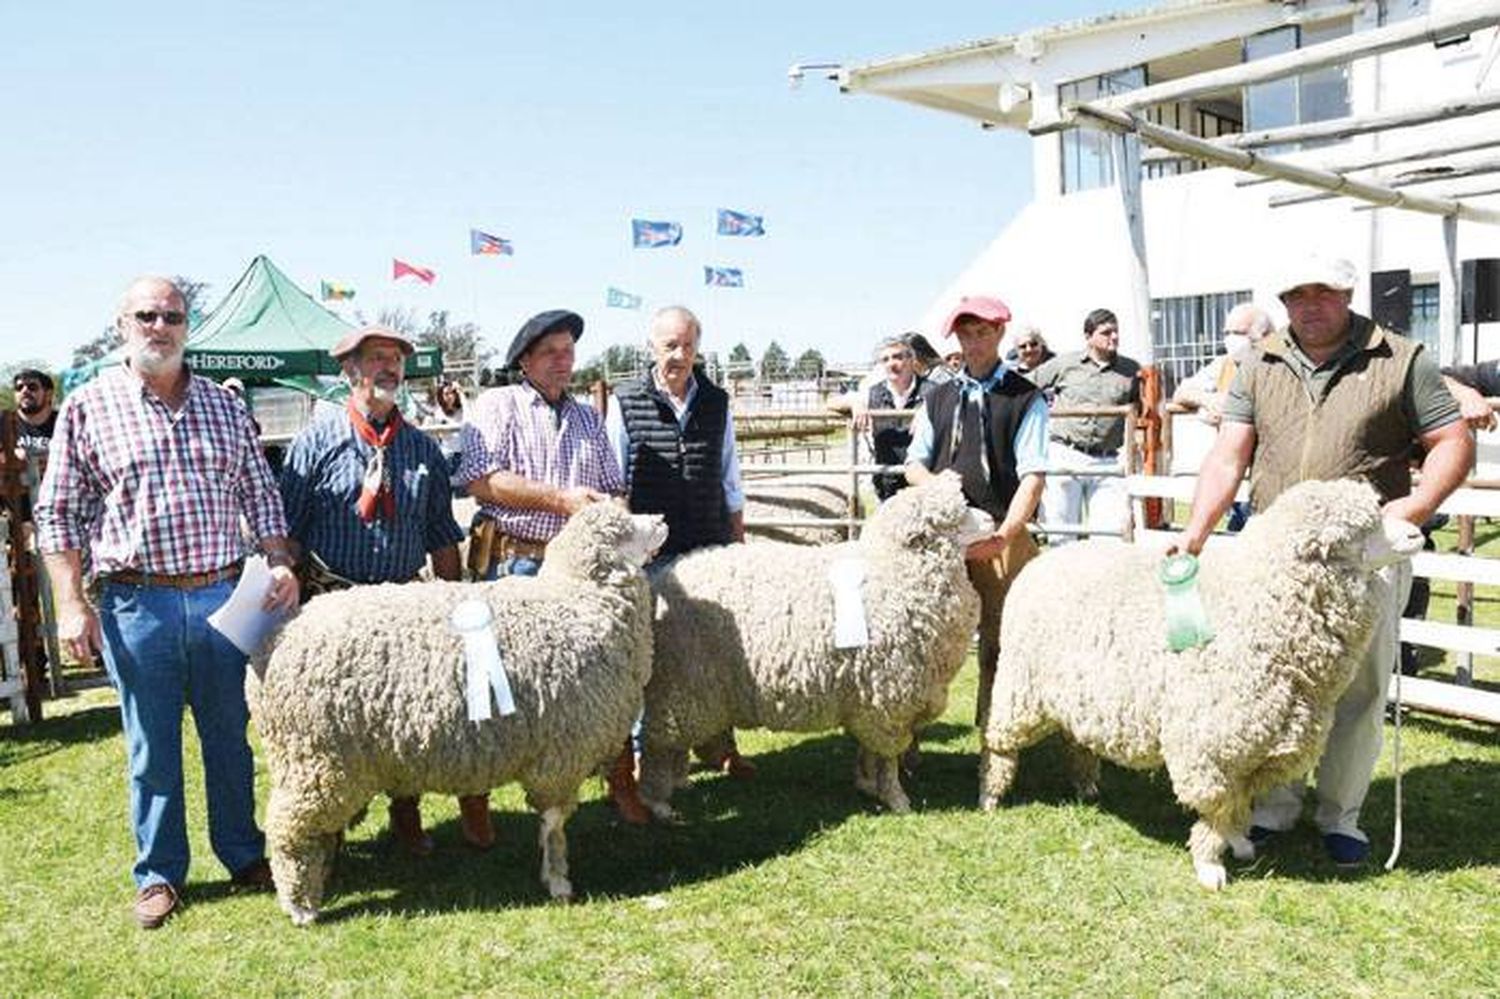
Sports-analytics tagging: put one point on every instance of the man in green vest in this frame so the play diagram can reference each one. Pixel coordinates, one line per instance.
(1335, 396)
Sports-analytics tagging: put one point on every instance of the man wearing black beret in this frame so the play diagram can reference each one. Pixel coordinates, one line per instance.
(533, 456)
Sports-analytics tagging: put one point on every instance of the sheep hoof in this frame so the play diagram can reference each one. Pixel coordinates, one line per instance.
(561, 890)
(898, 804)
(989, 802)
(1241, 847)
(300, 916)
(1211, 876)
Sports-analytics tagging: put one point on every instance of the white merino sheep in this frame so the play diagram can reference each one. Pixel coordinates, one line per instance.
(365, 692)
(1292, 601)
(745, 639)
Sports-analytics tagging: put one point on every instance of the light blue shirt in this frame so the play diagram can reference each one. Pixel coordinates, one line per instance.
(1029, 445)
(619, 439)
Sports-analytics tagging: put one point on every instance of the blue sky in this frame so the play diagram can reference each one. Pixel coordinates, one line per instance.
(186, 138)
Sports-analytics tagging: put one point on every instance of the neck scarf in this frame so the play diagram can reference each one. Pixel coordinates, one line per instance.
(377, 496)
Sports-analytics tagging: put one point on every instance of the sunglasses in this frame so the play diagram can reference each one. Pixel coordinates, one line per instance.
(149, 317)
(27, 386)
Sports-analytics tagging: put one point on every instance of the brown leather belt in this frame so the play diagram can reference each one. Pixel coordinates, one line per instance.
(509, 546)
(181, 581)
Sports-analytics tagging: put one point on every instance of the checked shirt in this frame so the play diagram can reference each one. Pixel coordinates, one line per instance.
(142, 487)
(513, 429)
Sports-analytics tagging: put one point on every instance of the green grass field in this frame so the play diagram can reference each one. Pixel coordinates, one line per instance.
(790, 885)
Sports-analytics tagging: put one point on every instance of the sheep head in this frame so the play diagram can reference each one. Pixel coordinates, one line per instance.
(931, 513)
(1339, 520)
(604, 542)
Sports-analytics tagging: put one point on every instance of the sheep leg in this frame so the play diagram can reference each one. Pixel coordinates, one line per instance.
(879, 777)
(997, 772)
(554, 840)
(1216, 828)
(1083, 769)
(663, 769)
(300, 858)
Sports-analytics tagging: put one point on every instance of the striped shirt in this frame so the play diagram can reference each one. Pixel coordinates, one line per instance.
(513, 429)
(145, 488)
(320, 487)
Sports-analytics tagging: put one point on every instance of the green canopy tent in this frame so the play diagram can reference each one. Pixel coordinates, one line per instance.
(267, 331)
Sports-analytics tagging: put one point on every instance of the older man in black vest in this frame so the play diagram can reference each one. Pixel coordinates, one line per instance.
(989, 426)
(674, 438)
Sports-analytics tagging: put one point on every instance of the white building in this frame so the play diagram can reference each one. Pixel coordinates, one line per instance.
(1211, 240)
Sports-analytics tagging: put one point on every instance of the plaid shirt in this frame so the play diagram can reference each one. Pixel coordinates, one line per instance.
(320, 488)
(145, 488)
(513, 429)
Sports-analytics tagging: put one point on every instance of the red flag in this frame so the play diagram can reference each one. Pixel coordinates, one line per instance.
(400, 268)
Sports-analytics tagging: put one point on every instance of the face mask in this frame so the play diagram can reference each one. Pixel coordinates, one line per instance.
(1236, 344)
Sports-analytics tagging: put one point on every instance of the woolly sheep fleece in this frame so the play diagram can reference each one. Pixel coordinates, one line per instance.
(1293, 602)
(745, 639)
(364, 692)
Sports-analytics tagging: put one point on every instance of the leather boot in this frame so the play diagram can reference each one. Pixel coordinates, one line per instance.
(622, 789)
(474, 820)
(406, 827)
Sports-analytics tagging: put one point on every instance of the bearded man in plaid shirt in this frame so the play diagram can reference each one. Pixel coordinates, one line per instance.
(152, 468)
(367, 501)
(533, 456)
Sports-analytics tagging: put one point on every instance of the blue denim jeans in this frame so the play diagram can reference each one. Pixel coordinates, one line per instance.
(161, 655)
(517, 566)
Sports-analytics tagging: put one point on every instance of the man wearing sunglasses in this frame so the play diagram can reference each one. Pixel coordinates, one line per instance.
(151, 470)
(35, 415)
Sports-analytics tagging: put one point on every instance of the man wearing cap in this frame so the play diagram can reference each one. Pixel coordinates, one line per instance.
(1098, 375)
(1335, 396)
(673, 436)
(989, 426)
(152, 469)
(533, 456)
(367, 501)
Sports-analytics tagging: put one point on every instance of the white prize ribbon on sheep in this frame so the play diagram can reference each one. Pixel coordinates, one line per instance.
(850, 629)
(484, 670)
(243, 618)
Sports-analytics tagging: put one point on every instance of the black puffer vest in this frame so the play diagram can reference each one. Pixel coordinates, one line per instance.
(677, 472)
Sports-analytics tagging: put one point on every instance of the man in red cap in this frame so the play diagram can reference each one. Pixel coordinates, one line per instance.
(367, 501)
(989, 426)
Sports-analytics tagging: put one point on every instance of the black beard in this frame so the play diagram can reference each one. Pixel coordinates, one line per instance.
(29, 407)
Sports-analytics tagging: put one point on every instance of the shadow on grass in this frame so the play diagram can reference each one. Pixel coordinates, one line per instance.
(23, 743)
(1448, 813)
(799, 791)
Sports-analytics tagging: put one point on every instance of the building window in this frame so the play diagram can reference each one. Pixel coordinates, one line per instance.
(1086, 159)
(1424, 317)
(1187, 333)
(1316, 95)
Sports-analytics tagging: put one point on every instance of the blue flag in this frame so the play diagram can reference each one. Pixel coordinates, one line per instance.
(614, 298)
(724, 277)
(732, 223)
(482, 243)
(653, 234)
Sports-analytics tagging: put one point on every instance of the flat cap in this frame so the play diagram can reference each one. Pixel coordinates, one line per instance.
(539, 326)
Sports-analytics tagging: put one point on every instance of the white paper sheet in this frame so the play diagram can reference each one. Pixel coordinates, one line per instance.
(850, 629)
(242, 618)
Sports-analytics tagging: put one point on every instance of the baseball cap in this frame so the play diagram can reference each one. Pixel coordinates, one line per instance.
(980, 306)
(1316, 268)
